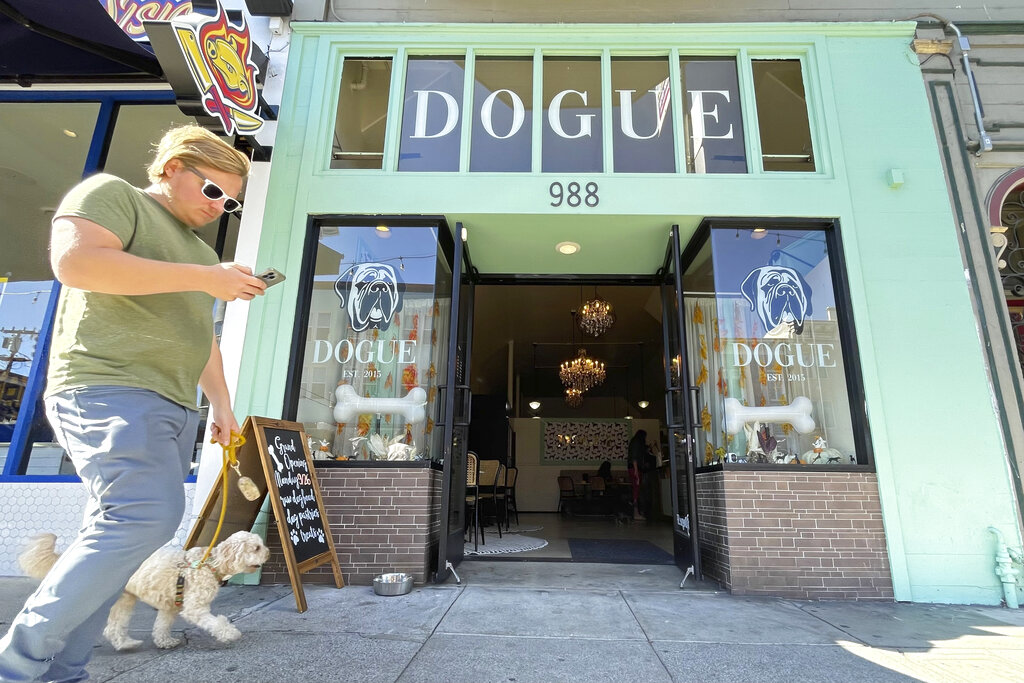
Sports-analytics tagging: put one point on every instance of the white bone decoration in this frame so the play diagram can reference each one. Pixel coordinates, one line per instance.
(797, 413)
(350, 405)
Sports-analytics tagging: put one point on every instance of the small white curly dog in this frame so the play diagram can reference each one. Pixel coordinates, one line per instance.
(155, 583)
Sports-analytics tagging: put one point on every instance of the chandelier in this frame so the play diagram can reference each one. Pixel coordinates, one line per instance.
(582, 372)
(573, 397)
(596, 317)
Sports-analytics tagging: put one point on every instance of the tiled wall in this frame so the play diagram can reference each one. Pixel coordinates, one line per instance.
(54, 507)
(382, 520)
(810, 535)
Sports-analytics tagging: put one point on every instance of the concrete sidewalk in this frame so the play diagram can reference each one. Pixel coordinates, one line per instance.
(526, 622)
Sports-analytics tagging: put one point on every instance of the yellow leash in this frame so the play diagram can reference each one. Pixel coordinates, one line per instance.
(245, 485)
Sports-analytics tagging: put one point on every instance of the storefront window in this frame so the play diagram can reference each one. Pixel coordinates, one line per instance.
(375, 342)
(713, 120)
(432, 114)
(362, 114)
(60, 134)
(765, 351)
(782, 115)
(502, 115)
(573, 118)
(641, 108)
(44, 148)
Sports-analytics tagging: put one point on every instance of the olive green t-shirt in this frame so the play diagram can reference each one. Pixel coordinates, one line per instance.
(159, 342)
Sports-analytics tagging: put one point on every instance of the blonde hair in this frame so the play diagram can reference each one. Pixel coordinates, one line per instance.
(196, 146)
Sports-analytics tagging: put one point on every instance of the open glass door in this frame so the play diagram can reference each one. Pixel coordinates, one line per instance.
(679, 414)
(454, 404)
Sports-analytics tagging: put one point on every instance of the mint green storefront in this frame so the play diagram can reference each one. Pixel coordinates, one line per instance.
(868, 170)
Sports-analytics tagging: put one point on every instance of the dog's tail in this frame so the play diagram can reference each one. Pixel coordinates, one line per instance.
(37, 559)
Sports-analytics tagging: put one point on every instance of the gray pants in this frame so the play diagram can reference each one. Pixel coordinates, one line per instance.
(132, 449)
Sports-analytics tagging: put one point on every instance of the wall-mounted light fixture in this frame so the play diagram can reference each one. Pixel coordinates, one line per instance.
(534, 405)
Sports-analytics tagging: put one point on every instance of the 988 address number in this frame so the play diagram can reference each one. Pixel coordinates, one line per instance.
(573, 194)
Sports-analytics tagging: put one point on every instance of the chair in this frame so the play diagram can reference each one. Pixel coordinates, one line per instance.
(490, 471)
(597, 486)
(566, 493)
(511, 474)
(473, 494)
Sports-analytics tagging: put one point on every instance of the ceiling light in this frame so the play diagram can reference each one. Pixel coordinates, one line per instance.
(573, 398)
(582, 373)
(757, 234)
(534, 405)
(567, 248)
(383, 228)
(596, 317)
(643, 404)
(70, 133)
(629, 417)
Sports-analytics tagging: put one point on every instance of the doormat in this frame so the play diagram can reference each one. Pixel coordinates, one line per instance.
(513, 543)
(617, 551)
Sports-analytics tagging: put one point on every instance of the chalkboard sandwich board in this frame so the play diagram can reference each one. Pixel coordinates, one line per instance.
(276, 457)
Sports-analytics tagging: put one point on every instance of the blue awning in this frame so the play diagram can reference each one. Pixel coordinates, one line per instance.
(47, 39)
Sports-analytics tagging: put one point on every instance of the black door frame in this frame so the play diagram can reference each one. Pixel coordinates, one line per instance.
(457, 403)
(686, 547)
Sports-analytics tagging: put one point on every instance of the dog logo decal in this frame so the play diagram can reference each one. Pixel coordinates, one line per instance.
(371, 295)
(779, 295)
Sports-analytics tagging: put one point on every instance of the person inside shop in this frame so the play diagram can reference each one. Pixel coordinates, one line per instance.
(605, 472)
(651, 469)
(636, 462)
(133, 338)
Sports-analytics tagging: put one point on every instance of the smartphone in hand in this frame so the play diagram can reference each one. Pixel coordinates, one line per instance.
(271, 276)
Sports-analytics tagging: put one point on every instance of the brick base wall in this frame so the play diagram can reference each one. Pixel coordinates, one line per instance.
(382, 520)
(714, 532)
(808, 535)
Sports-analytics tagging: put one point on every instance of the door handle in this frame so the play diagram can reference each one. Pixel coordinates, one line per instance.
(695, 390)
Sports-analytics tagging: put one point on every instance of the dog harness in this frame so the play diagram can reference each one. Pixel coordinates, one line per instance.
(179, 585)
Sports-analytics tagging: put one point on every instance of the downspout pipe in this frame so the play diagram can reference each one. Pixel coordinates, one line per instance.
(1005, 557)
(985, 140)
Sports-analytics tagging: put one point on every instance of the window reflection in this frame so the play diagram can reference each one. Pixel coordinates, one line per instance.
(643, 136)
(432, 114)
(376, 332)
(502, 115)
(362, 114)
(573, 119)
(43, 148)
(782, 115)
(712, 116)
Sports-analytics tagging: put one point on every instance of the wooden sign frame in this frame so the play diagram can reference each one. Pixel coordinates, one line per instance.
(256, 462)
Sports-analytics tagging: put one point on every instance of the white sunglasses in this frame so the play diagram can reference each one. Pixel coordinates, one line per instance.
(212, 190)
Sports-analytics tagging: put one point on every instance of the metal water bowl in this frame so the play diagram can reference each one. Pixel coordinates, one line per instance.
(392, 584)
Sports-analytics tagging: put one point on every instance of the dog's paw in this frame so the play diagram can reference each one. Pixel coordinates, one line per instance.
(226, 631)
(166, 642)
(127, 644)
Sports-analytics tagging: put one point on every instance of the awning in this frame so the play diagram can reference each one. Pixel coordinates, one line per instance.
(47, 39)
